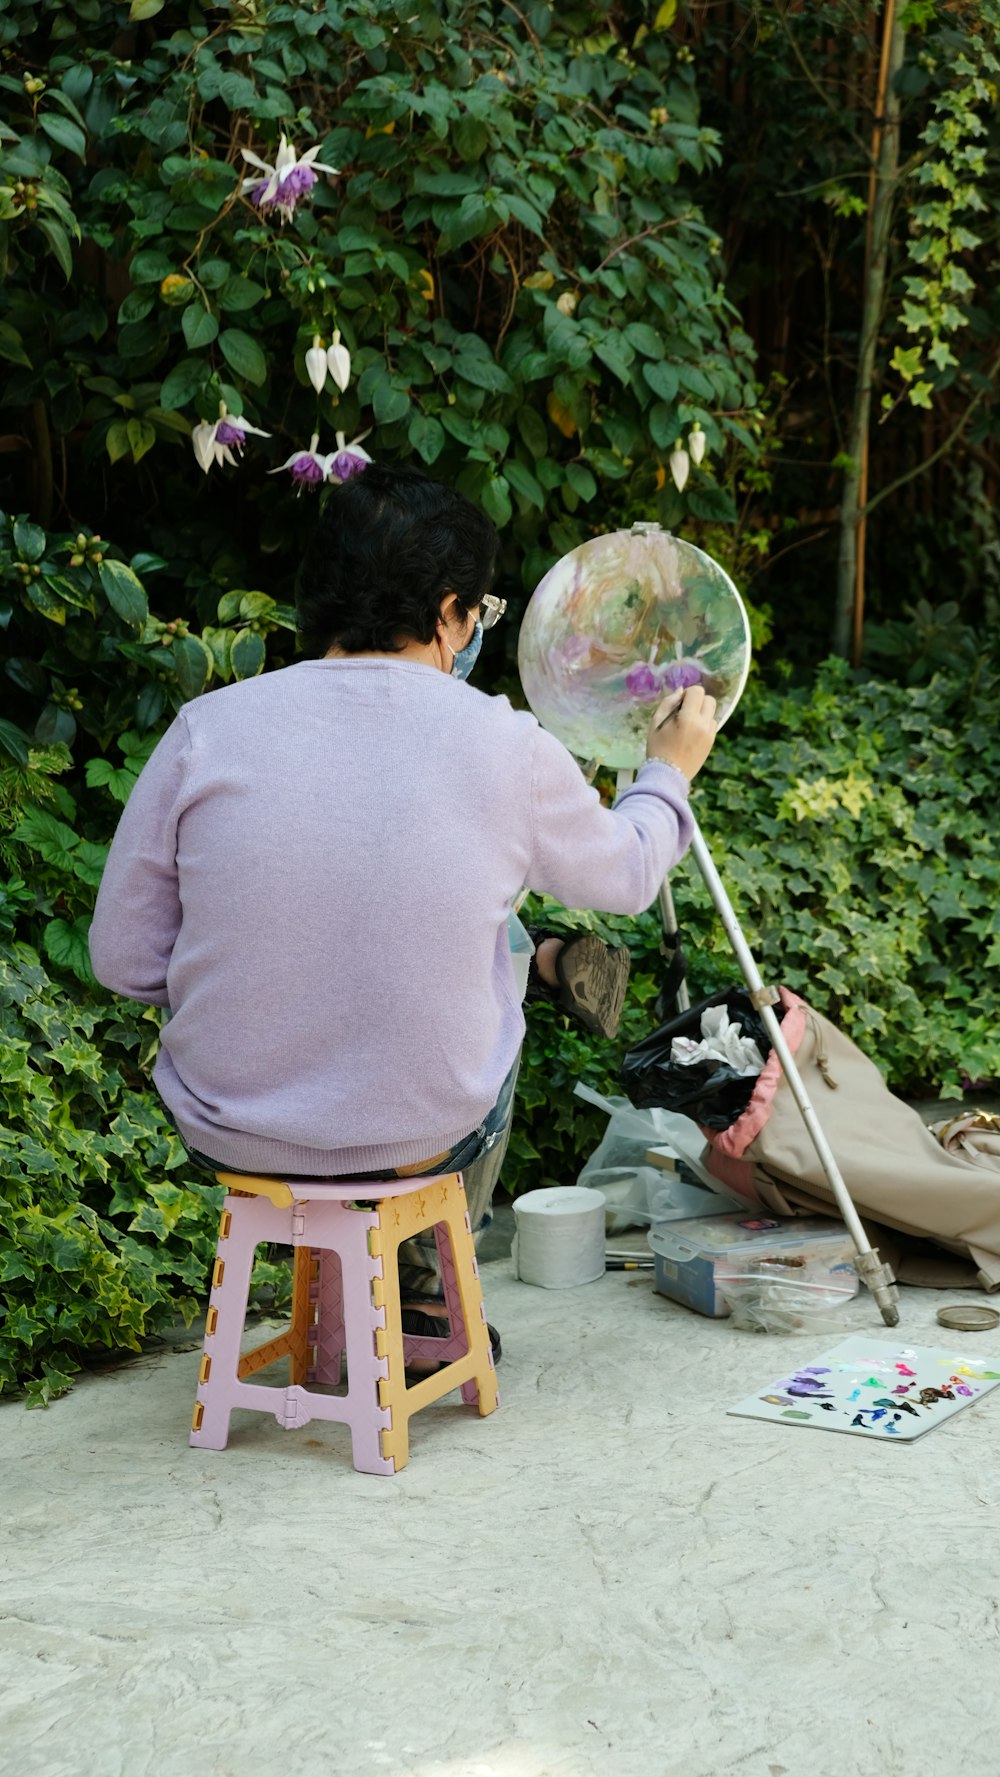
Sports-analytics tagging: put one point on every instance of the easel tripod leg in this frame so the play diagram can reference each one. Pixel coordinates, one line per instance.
(877, 1276)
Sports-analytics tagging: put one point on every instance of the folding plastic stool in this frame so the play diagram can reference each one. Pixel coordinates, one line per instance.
(345, 1303)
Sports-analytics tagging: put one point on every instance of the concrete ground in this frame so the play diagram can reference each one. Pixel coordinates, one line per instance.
(607, 1577)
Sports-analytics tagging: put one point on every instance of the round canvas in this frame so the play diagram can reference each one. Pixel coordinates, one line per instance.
(618, 623)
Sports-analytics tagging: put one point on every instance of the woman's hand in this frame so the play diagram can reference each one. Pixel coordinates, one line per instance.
(683, 730)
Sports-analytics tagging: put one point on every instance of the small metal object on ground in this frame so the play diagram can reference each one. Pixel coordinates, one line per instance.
(964, 1318)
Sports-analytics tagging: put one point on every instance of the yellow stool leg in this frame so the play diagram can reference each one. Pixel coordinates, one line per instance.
(399, 1218)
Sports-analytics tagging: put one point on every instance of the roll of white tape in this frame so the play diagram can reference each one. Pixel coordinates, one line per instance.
(560, 1237)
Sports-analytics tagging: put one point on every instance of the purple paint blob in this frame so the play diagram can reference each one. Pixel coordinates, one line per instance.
(642, 681)
(681, 674)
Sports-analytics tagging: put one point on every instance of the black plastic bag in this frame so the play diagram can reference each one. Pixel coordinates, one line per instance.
(709, 1092)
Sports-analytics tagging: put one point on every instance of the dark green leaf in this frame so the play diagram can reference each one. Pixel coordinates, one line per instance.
(645, 339)
(200, 326)
(243, 354)
(14, 741)
(55, 725)
(695, 381)
(29, 540)
(390, 403)
(192, 665)
(124, 592)
(483, 373)
(67, 946)
(149, 706)
(136, 306)
(495, 500)
(12, 346)
(663, 424)
(240, 293)
(58, 240)
(247, 656)
(64, 131)
(427, 437)
(470, 137)
(150, 267)
(663, 379)
(581, 481)
(184, 382)
(523, 482)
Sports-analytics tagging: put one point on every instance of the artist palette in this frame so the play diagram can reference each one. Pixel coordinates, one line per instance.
(875, 1389)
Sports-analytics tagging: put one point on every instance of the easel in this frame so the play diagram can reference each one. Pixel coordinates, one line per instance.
(877, 1276)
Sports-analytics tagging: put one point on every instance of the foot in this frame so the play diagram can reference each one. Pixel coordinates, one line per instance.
(584, 977)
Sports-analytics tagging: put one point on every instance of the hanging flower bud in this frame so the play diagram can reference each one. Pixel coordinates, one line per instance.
(316, 365)
(680, 465)
(696, 443)
(339, 359)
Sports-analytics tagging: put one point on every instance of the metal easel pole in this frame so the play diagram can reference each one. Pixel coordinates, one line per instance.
(877, 1276)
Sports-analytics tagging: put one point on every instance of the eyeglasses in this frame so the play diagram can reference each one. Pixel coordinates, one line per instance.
(491, 609)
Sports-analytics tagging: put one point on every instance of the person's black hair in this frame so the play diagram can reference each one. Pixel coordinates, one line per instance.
(388, 546)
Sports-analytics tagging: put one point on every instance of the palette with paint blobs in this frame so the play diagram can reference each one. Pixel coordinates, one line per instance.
(874, 1389)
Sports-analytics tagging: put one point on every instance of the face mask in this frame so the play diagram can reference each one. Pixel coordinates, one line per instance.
(464, 661)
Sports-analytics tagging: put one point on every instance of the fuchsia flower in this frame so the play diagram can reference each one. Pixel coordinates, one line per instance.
(214, 441)
(347, 459)
(308, 468)
(285, 183)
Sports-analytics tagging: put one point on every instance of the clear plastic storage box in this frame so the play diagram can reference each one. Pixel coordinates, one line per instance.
(693, 1258)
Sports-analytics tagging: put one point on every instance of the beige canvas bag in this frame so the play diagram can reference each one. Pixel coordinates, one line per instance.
(897, 1172)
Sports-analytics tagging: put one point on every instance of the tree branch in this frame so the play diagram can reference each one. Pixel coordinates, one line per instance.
(657, 228)
(956, 432)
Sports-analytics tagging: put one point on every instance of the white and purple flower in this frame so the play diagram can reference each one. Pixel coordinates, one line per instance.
(308, 468)
(348, 459)
(214, 441)
(287, 182)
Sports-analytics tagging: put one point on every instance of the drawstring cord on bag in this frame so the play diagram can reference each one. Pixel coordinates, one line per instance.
(822, 1059)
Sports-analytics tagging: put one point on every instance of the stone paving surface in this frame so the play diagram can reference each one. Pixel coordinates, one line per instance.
(608, 1577)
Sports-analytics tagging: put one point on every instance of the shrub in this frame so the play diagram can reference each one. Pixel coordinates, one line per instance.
(106, 1233)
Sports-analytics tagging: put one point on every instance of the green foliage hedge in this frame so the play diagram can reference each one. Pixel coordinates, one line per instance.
(105, 1233)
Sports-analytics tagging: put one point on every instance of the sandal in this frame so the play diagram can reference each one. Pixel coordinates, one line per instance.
(592, 975)
(436, 1326)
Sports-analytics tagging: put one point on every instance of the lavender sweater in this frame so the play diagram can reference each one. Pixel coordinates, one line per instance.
(314, 873)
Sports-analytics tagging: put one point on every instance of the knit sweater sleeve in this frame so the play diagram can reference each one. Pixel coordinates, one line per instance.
(610, 860)
(138, 912)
